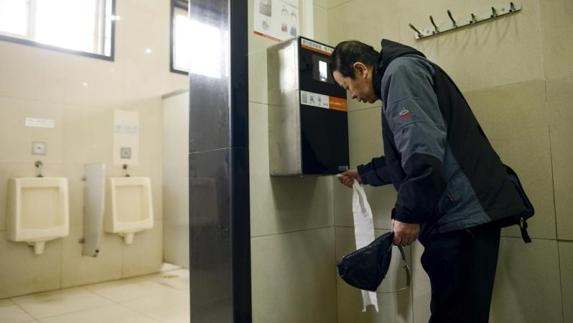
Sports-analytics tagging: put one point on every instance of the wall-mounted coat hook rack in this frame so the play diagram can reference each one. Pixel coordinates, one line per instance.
(452, 19)
(418, 33)
(491, 14)
(436, 29)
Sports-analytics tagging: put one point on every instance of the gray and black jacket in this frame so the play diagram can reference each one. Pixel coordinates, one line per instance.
(447, 175)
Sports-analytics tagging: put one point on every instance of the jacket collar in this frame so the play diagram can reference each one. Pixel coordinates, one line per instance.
(390, 51)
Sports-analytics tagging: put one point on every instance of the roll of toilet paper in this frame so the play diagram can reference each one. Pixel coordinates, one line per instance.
(363, 233)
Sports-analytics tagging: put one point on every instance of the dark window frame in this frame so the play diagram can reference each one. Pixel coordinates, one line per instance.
(175, 4)
(32, 43)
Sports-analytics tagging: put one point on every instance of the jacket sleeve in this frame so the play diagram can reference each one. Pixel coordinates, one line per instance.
(375, 173)
(415, 120)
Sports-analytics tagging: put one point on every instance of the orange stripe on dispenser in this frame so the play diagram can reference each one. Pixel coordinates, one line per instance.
(337, 103)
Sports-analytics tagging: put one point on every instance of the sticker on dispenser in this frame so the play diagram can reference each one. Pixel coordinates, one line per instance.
(323, 101)
(314, 99)
(317, 47)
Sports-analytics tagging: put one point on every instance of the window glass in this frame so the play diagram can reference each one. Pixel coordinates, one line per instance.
(79, 25)
(14, 17)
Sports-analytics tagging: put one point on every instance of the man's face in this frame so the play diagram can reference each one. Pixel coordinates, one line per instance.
(360, 87)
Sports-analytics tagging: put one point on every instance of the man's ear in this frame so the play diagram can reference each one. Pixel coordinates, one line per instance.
(360, 69)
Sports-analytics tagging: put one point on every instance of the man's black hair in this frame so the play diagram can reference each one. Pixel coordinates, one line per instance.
(348, 52)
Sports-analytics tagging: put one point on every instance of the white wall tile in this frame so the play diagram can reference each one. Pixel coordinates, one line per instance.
(78, 269)
(282, 203)
(293, 277)
(394, 305)
(527, 284)
(566, 269)
(23, 272)
(557, 31)
(365, 20)
(559, 98)
(487, 55)
(515, 120)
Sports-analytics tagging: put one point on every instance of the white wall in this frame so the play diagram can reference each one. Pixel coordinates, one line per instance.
(517, 76)
(176, 178)
(37, 82)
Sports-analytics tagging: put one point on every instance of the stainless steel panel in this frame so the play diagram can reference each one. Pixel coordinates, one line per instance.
(210, 95)
(210, 237)
(284, 118)
(218, 170)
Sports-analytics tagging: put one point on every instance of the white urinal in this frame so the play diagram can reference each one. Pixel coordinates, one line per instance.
(37, 210)
(129, 207)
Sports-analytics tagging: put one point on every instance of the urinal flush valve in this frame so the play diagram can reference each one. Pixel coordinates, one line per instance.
(39, 165)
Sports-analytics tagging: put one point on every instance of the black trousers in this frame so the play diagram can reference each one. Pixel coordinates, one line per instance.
(461, 266)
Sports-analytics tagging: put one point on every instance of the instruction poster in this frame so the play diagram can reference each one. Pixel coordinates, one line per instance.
(276, 19)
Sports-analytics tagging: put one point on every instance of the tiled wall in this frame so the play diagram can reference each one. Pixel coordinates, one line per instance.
(292, 234)
(517, 76)
(36, 82)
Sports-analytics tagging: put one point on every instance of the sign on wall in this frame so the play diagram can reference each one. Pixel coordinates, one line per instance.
(276, 19)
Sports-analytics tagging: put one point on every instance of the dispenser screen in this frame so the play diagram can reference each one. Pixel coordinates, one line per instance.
(320, 70)
(323, 71)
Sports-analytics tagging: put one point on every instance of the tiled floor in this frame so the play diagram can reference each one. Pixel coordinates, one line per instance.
(158, 298)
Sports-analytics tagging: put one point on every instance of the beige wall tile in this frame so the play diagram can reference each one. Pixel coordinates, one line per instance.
(293, 277)
(334, 3)
(80, 270)
(393, 306)
(23, 272)
(321, 24)
(282, 204)
(258, 84)
(559, 97)
(421, 288)
(514, 118)
(566, 265)
(381, 200)
(527, 284)
(321, 3)
(364, 136)
(32, 73)
(557, 31)
(16, 138)
(364, 20)
(145, 255)
(487, 55)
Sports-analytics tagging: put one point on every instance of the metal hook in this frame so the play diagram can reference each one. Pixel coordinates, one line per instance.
(511, 7)
(493, 12)
(474, 19)
(452, 19)
(437, 30)
(125, 169)
(416, 30)
(39, 165)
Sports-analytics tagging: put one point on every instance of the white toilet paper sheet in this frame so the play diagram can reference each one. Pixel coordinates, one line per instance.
(363, 233)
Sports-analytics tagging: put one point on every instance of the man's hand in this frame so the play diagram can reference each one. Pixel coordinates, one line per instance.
(347, 178)
(405, 233)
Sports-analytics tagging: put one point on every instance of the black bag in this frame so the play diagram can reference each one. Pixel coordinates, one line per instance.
(520, 219)
(365, 268)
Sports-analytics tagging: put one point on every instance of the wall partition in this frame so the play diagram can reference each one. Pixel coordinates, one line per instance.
(218, 163)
